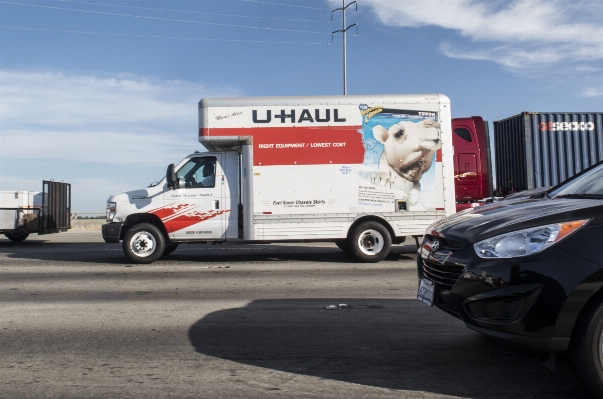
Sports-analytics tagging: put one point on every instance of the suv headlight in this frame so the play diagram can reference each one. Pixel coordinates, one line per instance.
(526, 242)
(111, 209)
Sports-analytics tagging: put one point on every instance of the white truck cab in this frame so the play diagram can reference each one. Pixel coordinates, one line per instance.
(361, 171)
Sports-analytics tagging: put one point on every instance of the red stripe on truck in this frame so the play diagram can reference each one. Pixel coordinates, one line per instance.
(299, 145)
(181, 216)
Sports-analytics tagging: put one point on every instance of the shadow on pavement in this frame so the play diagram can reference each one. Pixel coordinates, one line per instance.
(95, 252)
(46, 250)
(394, 344)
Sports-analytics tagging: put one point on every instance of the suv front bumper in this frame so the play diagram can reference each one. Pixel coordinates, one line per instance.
(519, 300)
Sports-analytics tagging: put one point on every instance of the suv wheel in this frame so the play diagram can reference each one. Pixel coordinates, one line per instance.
(144, 243)
(586, 350)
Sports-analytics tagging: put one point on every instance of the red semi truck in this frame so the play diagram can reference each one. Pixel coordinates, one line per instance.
(472, 163)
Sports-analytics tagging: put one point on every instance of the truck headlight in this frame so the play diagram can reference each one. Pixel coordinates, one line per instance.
(526, 242)
(111, 209)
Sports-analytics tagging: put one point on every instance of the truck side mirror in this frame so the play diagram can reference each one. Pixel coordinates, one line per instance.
(170, 177)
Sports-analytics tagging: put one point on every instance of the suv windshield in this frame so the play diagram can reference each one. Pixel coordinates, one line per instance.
(589, 185)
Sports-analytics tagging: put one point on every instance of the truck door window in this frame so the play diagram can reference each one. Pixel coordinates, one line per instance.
(464, 134)
(198, 172)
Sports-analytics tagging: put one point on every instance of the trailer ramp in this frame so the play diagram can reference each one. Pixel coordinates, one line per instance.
(56, 207)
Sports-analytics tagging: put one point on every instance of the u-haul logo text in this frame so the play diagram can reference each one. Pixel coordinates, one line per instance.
(319, 115)
(565, 126)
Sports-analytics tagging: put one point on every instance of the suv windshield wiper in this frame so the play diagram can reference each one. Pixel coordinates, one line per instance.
(586, 196)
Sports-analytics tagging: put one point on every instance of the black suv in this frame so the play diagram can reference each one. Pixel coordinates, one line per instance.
(528, 270)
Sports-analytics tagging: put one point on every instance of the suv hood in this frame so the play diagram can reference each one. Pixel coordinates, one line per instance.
(490, 220)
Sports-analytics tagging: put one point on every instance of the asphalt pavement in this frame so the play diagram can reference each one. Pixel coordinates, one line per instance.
(77, 320)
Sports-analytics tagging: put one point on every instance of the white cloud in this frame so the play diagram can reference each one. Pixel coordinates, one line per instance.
(113, 147)
(11, 183)
(90, 195)
(88, 118)
(593, 92)
(509, 55)
(70, 102)
(517, 34)
(101, 134)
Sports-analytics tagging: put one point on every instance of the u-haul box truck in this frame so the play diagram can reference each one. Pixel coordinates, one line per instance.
(363, 172)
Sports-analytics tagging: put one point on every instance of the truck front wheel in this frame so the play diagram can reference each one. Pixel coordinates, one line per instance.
(16, 237)
(143, 243)
(370, 242)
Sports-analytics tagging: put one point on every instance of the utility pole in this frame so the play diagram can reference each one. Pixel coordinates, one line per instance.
(344, 30)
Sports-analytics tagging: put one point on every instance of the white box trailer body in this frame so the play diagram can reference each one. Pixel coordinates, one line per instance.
(21, 199)
(14, 205)
(304, 169)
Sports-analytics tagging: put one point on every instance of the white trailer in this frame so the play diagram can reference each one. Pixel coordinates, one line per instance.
(363, 172)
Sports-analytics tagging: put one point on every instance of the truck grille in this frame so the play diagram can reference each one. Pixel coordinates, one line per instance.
(443, 276)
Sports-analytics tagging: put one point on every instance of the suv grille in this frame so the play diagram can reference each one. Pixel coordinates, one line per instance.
(443, 276)
(445, 243)
(454, 243)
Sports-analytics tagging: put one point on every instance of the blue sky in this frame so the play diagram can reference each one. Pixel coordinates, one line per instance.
(103, 94)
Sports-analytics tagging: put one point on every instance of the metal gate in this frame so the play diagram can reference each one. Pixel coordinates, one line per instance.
(56, 207)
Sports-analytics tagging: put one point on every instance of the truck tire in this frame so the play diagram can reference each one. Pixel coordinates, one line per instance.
(169, 249)
(586, 350)
(16, 237)
(369, 242)
(144, 243)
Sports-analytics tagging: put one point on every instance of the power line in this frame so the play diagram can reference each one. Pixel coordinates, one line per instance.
(155, 36)
(165, 19)
(286, 5)
(194, 12)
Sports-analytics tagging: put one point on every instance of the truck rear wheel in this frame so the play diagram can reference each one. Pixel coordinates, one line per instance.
(16, 237)
(586, 350)
(370, 242)
(144, 243)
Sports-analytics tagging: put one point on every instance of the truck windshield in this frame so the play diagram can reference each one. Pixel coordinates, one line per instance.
(589, 185)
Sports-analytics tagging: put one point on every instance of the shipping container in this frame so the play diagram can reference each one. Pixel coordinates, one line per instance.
(541, 149)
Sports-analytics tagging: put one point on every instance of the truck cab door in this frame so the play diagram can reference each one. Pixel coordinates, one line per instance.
(466, 154)
(194, 209)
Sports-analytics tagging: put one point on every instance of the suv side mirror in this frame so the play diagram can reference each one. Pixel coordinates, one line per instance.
(170, 177)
